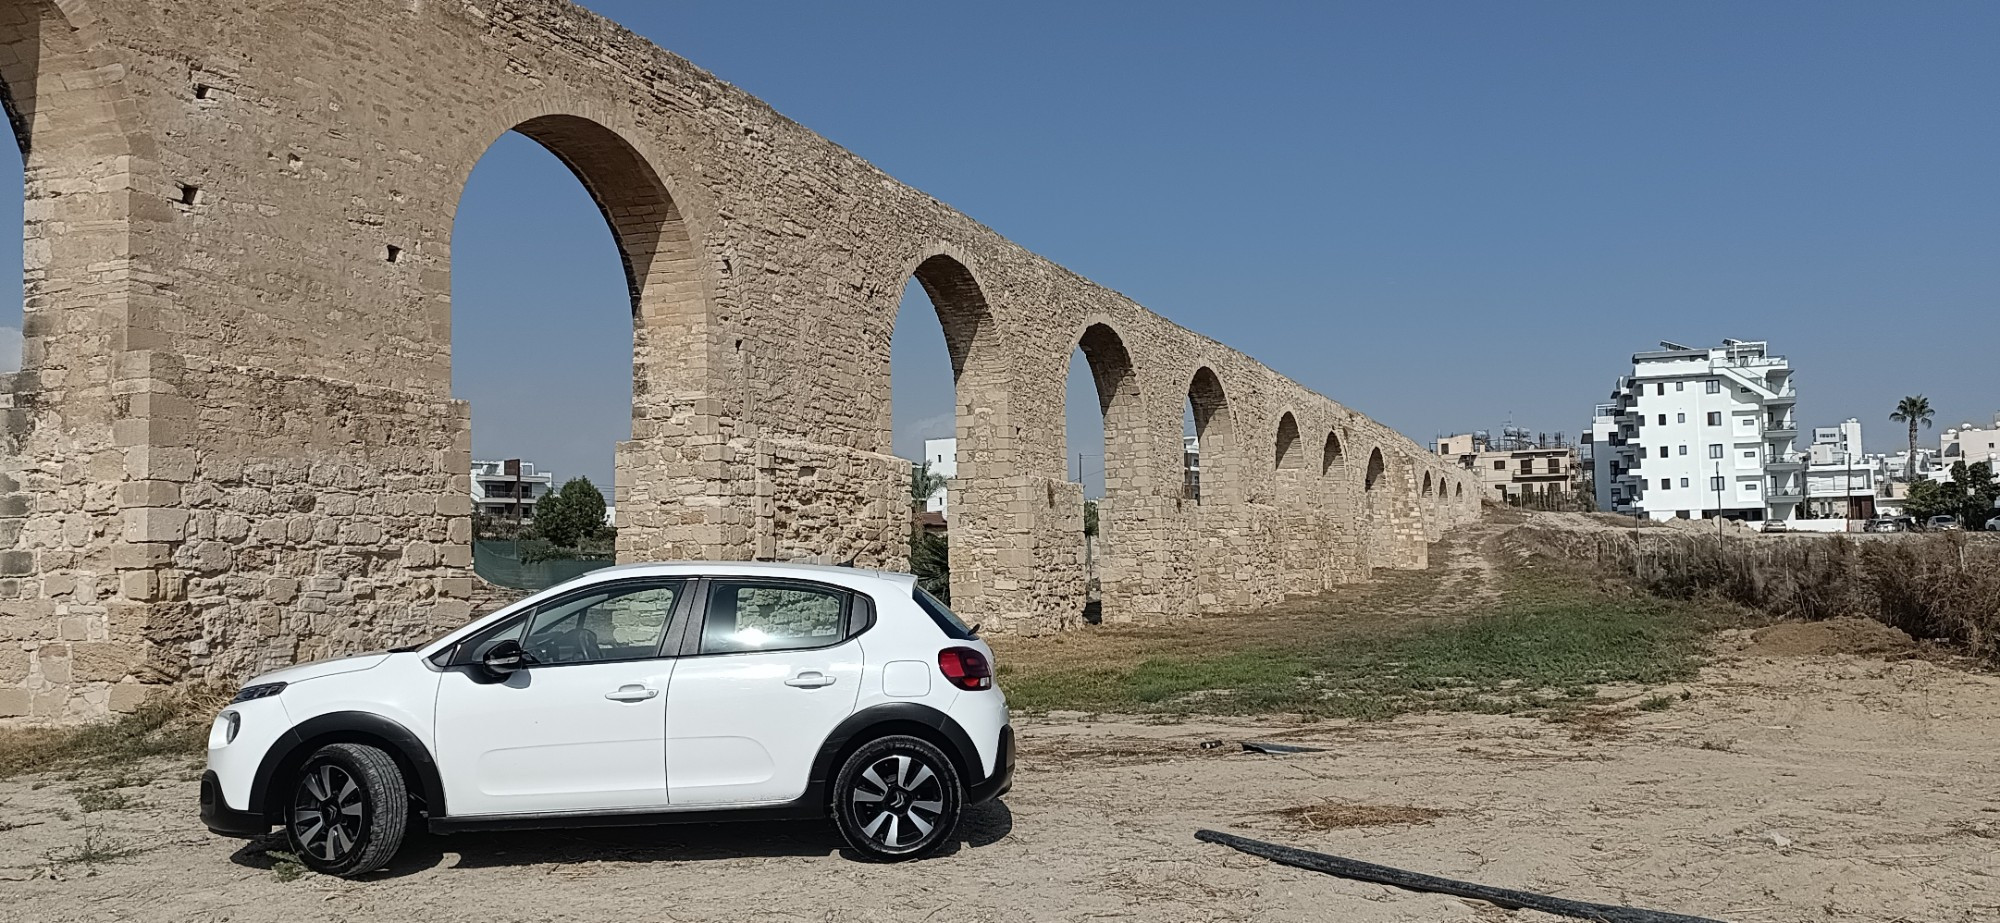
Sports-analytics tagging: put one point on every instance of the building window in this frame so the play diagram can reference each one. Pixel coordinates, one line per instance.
(1680, 386)
(1555, 466)
(1715, 483)
(1663, 451)
(1499, 466)
(1715, 450)
(1666, 483)
(1661, 389)
(1680, 418)
(1684, 450)
(1684, 482)
(1715, 418)
(1714, 386)
(1663, 419)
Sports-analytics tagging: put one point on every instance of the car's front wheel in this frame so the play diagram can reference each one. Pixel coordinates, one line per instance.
(348, 810)
(897, 798)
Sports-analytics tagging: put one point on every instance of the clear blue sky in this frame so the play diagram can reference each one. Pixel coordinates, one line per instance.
(1443, 215)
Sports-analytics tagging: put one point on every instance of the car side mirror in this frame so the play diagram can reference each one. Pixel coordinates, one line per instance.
(505, 658)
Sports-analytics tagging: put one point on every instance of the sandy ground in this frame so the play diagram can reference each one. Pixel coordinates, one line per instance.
(1785, 788)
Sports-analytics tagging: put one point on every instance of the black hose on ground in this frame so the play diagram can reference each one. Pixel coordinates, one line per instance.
(1384, 875)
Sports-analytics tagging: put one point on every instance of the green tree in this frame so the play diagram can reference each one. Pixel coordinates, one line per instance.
(930, 560)
(1912, 410)
(1929, 498)
(1090, 517)
(1973, 486)
(570, 515)
(923, 483)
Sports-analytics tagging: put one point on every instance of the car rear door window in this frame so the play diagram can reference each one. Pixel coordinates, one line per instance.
(761, 615)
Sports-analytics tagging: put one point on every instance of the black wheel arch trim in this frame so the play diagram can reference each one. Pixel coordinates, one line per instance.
(296, 745)
(858, 725)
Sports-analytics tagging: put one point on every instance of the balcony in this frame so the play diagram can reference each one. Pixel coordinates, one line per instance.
(1781, 460)
(1785, 494)
(1784, 430)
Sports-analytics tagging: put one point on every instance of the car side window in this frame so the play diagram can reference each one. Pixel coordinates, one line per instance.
(744, 616)
(616, 622)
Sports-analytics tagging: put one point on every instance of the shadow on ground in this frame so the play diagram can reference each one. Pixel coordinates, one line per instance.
(983, 825)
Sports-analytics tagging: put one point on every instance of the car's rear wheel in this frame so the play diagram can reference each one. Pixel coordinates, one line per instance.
(897, 798)
(348, 810)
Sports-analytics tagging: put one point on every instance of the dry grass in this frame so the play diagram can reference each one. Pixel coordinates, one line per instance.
(172, 724)
(1334, 815)
(1940, 587)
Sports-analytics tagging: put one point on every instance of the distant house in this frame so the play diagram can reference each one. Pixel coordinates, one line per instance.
(942, 456)
(509, 489)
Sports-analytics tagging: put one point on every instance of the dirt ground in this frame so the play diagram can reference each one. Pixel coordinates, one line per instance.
(1794, 782)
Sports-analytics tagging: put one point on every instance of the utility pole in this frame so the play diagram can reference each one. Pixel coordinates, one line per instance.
(1717, 484)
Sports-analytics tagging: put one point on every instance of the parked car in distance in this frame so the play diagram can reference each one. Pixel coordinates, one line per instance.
(1884, 524)
(1776, 525)
(642, 694)
(1942, 523)
(1993, 525)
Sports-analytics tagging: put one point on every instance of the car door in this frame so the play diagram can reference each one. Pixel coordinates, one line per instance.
(767, 673)
(582, 727)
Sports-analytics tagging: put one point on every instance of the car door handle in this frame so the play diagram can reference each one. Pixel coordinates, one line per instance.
(810, 679)
(633, 693)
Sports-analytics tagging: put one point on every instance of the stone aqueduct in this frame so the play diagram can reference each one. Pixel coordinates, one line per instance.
(233, 443)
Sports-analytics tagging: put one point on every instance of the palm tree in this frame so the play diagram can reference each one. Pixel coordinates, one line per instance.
(923, 483)
(1912, 410)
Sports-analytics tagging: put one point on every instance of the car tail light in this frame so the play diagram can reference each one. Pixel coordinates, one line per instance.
(966, 668)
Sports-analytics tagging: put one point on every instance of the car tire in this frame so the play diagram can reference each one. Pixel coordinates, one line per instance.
(347, 810)
(891, 788)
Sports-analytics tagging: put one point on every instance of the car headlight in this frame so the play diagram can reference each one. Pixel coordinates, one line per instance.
(223, 732)
(259, 691)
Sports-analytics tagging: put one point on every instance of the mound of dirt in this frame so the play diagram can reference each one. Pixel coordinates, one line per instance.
(1833, 636)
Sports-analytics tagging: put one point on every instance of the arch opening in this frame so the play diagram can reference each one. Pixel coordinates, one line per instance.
(570, 343)
(1375, 470)
(1207, 434)
(1102, 445)
(1331, 455)
(942, 385)
(1288, 454)
(1427, 483)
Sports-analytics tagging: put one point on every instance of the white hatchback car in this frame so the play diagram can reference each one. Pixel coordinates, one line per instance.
(651, 693)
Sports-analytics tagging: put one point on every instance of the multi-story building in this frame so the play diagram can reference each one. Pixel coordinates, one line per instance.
(1516, 470)
(1191, 466)
(942, 457)
(509, 489)
(1840, 478)
(1694, 433)
(1969, 444)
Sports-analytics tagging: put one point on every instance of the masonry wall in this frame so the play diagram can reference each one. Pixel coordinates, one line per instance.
(234, 444)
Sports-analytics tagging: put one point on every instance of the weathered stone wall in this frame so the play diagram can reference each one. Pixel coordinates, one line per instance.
(233, 442)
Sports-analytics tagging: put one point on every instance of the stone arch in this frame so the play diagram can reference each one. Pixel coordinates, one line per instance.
(1459, 493)
(1331, 455)
(987, 450)
(1213, 433)
(1427, 483)
(669, 303)
(1119, 399)
(1289, 455)
(1376, 467)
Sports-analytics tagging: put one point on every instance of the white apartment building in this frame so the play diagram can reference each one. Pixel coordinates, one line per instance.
(1694, 433)
(942, 456)
(1840, 478)
(1968, 443)
(509, 488)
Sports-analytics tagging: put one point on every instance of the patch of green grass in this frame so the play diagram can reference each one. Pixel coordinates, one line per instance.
(94, 849)
(91, 801)
(285, 866)
(1548, 646)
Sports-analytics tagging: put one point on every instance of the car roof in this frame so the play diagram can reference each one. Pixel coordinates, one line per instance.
(851, 577)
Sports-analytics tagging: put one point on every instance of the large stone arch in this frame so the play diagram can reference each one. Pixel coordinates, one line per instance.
(670, 300)
(1215, 436)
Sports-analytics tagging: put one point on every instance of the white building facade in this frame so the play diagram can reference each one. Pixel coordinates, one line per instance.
(1970, 444)
(509, 489)
(1694, 433)
(942, 457)
(1841, 479)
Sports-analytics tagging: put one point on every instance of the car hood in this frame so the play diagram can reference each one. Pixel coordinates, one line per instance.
(319, 668)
